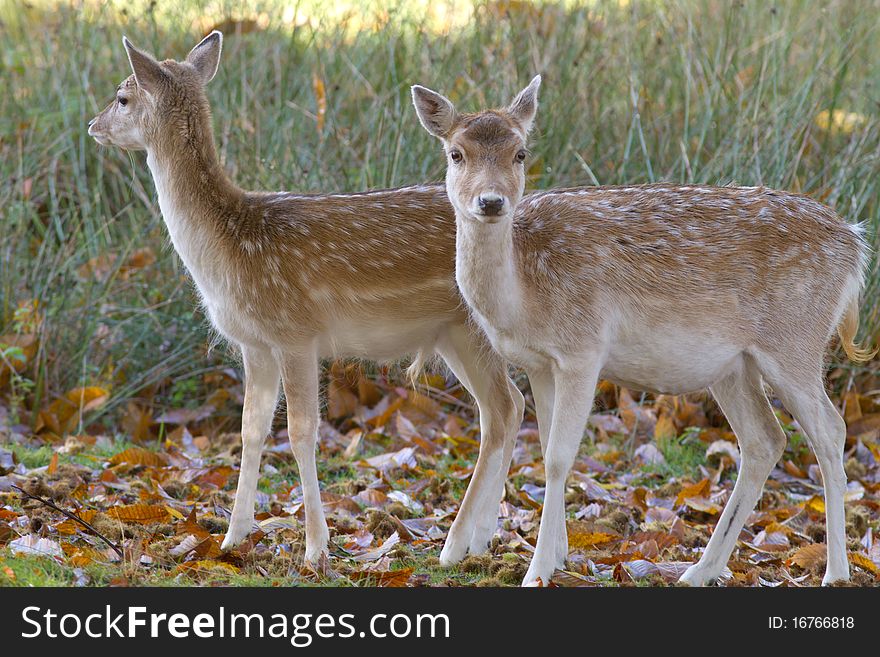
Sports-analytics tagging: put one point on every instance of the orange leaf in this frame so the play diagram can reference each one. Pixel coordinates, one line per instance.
(65, 413)
(320, 101)
(141, 258)
(382, 418)
(205, 566)
(665, 428)
(867, 426)
(627, 409)
(53, 465)
(863, 562)
(191, 526)
(137, 421)
(138, 456)
(809, 556)
(70, 526)
(815, 504)
(368, 392)
(587, 540)
(702, 504)
(341, 402)
(700, 489)
(419, 407)
(143, 514)
(82, 555)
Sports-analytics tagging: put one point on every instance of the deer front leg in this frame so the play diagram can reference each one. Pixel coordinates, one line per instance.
(574, 389)
(300, 377)
(543, 392)
(261, 376)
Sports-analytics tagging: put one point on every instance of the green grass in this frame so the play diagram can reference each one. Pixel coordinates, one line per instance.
(691, 91)
(683, 456)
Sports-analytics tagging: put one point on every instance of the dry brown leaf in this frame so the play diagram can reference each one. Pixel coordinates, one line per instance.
(420, 408)
(137, 421)
(863, 562)
(52, 468)
(587, 540)
(665, 428)
(386, 578)
(70, 526)
(142, 514)
(700, 489)
(815, 504)
(205, 566)
(809, 556)
(702, 504)
(341, 402)
(867, 426)
(368, 392)
(191, 526)
(65, 413)
(139, 456)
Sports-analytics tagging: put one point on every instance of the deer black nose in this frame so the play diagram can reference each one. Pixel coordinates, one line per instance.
(490, 204)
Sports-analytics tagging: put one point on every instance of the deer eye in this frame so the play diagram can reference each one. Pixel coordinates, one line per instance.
(456, 156)
(122, 100)
(520, 156)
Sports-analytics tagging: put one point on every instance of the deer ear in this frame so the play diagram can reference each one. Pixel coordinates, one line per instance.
(525, 105)
(436, 113)
(205, 57)
(147, 71)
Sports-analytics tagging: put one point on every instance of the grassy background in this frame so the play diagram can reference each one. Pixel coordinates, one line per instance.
(702, 91)
(317, 99)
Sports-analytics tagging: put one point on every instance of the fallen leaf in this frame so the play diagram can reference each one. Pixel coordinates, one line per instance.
(139, 456)
(143, 514)
(70, 526)
(382, 550)
(33, 544)
(809, 556)
(387, 578)
(700, 489)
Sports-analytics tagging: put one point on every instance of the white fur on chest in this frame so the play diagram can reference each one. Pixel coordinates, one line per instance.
(182, 230)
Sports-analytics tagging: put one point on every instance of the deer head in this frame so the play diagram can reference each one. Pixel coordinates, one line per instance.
(158, 98)
(486, 151)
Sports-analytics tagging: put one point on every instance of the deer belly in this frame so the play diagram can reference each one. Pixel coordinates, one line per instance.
(379, 339)
(669, 361)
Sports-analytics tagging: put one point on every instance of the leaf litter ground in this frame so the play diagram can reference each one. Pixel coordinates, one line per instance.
(648, 487)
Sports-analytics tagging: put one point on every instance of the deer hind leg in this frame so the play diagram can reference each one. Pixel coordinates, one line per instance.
(543, 392)
(300, 376)
(574, 391)
(802, 390)
(261, 376)
(762, 442)
(500, 406)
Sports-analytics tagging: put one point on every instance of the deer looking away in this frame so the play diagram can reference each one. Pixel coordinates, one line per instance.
(665, 288)
(291, 278)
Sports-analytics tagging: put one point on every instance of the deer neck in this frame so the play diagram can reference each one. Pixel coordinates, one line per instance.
(486, 271)
(199, 203)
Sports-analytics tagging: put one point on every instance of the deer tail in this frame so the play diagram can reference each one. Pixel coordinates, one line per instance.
(415, 369)
(849, 327)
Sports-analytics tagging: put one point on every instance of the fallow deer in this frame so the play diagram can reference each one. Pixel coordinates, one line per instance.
(291, 278)
(663, 287)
